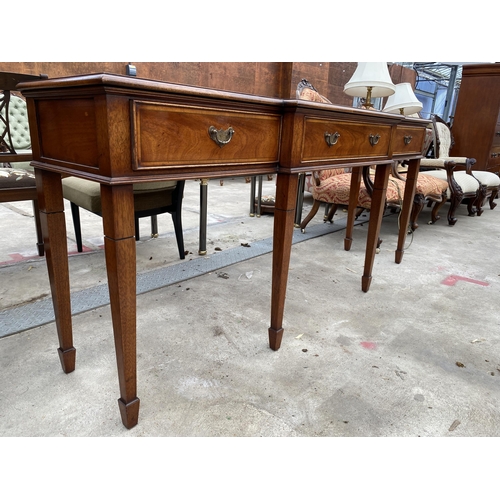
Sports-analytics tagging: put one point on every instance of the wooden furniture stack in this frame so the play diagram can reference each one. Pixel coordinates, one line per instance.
(476, 125)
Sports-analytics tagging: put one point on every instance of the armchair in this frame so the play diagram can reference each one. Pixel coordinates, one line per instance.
(17, 179)
(150, 200)
(333, 187)
(462, 184)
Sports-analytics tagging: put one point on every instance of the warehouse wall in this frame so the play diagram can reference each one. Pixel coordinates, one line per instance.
(273, 79)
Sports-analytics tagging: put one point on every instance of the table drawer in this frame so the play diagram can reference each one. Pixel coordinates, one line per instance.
(333, 140)
(166, 135)
(408, 140)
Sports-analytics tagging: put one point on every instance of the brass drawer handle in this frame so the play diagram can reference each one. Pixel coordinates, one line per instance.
(374, 139)
(220, 137)
(408, 139)
(493, 155)
(331, 139)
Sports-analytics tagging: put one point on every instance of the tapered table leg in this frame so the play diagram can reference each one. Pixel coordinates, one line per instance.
(409, 195)
(376, 213)
(52, 220)
(353, 205)
(120, 250)
(284, 213)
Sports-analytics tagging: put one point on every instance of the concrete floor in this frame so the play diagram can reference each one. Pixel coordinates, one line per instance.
(418, 355)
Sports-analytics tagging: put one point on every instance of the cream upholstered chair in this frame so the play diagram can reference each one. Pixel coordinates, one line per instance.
(463, 184)
(491, 182)
(17, 178)
(150, 200)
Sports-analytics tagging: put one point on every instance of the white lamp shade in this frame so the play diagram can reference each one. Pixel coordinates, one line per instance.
(405, 99)
(370, 74)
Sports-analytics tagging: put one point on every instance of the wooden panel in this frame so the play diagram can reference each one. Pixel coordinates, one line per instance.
(408, 140)
(167, 135)
(258, 78)
(476, 116)
(353, 141)
(67, 132)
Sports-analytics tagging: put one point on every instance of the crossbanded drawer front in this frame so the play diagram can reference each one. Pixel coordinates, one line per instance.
(408, 140)
(167, 135)
(333, 140)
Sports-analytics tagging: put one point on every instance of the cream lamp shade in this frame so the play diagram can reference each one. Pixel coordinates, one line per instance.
(371, 79)
(403, 101)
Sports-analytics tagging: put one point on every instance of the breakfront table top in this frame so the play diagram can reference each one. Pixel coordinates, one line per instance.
(166, 126)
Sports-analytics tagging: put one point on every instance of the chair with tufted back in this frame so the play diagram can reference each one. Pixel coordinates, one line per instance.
(17, 179)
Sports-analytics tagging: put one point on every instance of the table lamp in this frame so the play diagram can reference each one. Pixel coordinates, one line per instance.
(403, 101)
(370, 80)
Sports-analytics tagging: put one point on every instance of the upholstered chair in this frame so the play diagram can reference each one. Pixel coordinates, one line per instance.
(17, 178)
(150, 199)
(467, 183)
(332, 186)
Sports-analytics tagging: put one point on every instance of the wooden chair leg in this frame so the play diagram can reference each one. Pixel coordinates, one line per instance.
(418, 205)
(310, 215)
(437, 207)
(455, 201)
(494, 193)
(327, 209)
(331, 213)
(475, 206)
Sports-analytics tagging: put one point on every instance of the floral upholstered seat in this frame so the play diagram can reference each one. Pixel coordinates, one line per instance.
(333, 187)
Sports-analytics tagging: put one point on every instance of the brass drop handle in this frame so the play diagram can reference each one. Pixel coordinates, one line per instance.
(374, 139)
(408, 139)
(221, 137)
(331, 139)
